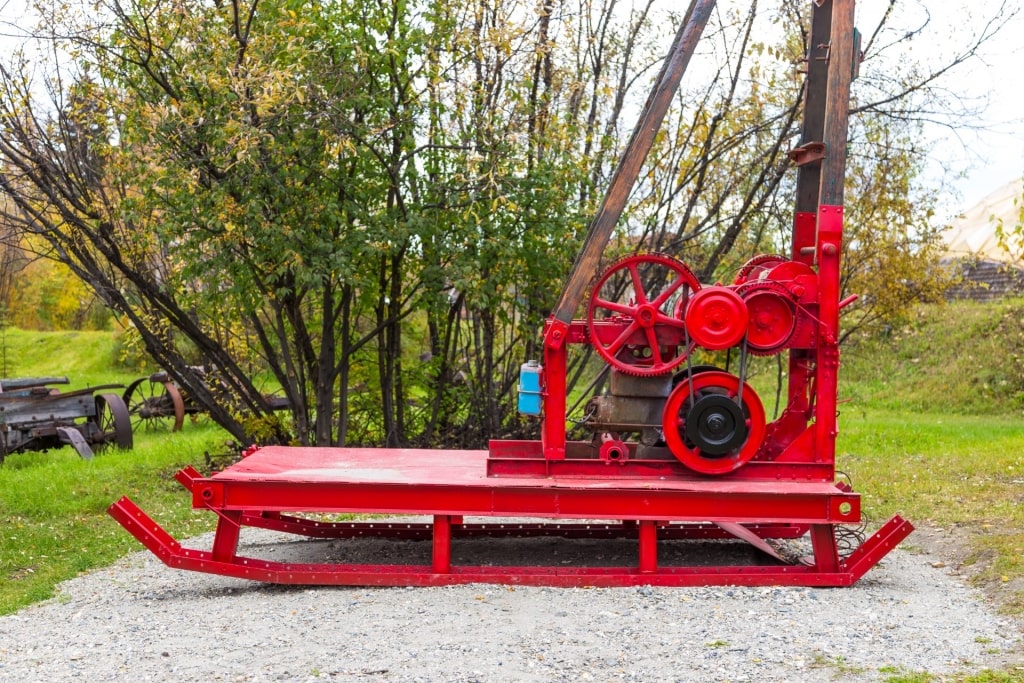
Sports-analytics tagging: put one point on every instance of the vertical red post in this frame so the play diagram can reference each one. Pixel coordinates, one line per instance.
(442, 550)
(225, 540)
(552, 436)
(648, 537)
(830, 236)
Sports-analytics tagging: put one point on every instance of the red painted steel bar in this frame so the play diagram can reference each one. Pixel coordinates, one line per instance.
(421, 531)
(442, 557)
(555, 391)
(648, 547)
(229, 527)
(830, 231)
(153, 537)
(423, 481)
(830, 220)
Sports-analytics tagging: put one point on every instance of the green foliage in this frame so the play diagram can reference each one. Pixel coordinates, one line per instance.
(46, 295)
(311, 202)
(891, 243)
(1011, 237)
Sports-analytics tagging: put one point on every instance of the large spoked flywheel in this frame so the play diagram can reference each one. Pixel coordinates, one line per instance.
(634, 316)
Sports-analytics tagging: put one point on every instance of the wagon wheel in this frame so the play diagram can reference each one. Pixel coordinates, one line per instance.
(155, 405)
(113, 421)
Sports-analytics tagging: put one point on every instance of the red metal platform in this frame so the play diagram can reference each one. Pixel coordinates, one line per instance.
(450, 485)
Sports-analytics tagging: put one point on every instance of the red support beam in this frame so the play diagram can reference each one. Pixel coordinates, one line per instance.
(648, 547)
(442, 555)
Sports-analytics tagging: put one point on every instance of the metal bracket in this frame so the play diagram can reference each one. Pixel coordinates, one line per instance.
(807, 153)
(72, 436)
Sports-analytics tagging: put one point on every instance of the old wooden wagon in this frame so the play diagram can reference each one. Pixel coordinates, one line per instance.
(35, 416)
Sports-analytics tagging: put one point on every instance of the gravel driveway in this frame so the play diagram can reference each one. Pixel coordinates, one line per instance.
(141, 621)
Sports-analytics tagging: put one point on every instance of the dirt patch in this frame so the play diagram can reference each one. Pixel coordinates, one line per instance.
(955, 546)
(952, 543)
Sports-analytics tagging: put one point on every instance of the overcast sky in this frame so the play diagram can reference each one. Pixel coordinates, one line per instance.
(998, 75)
(995, 157)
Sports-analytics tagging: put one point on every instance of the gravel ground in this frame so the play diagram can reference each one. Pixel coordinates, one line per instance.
(141, 621)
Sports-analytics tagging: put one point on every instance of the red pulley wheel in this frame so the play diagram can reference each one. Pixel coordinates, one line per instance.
(716, 318)
(772, 316)
(709, 426)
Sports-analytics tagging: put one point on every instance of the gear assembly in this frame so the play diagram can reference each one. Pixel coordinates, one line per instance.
(711, 421)
(678, 451)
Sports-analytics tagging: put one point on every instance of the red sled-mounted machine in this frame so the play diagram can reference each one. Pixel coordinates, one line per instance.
(678, 450)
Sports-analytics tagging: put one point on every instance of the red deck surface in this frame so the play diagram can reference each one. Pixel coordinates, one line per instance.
(402, 481)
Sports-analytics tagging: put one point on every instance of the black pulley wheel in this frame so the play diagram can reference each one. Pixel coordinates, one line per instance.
(713, 423)
(716, 425)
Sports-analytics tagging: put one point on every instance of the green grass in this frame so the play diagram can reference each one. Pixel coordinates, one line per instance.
(53, 521)
(932, 427)
(987, 676)
(951, 471)
(838, 663)
(935, 466)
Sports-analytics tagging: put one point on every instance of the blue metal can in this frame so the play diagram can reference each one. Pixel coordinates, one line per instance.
(529, 388)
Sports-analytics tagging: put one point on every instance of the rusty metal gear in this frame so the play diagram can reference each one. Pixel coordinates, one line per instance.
(755, 267)
(788, 272)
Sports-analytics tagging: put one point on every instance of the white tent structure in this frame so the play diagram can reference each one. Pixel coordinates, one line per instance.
(973, 233)
(987, 270)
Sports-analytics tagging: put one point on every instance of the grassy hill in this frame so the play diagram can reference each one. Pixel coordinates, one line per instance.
(932, 427)
(85, 358)
(962, 358)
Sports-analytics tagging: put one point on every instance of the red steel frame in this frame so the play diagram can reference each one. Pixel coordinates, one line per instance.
(448, 486)
(787, 490)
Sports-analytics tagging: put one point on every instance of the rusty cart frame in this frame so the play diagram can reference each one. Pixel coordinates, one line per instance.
(35, 416)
